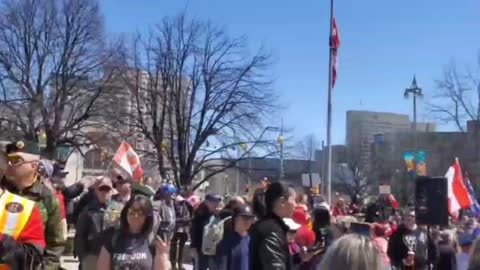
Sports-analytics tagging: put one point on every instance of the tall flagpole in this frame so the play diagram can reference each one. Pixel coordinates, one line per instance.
(329, 111)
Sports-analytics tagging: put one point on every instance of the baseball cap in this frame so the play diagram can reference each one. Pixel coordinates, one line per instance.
(103, 181)
(243, 211)
(58, 170)
(292, 225)
(169, 189)
(13, 147)
(213, 197)
(300, 216)
(466, 239)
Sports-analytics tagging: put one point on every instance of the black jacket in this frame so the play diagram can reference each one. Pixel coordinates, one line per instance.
(84, 200)
(201, 217)
(269, 245)
(88, 228)
(404, 240)
(447, 259)
(72, 191)
(20, 255)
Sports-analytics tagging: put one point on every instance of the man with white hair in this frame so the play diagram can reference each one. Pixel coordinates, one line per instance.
(99, 215)
(410, 240)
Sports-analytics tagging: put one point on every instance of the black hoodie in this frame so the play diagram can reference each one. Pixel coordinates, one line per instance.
(405, 240)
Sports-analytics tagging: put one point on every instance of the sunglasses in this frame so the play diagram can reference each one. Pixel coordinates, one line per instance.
(104, 189)
(14, 160)
(135, 212)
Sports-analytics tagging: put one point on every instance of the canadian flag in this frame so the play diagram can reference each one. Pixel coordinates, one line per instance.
(458, 197)
(334, 45)
(127, 160)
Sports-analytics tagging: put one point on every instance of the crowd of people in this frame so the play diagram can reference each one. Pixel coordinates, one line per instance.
(274, 227)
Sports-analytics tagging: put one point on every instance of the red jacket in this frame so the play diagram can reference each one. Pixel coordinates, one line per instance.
(33, 231)
(61, 199)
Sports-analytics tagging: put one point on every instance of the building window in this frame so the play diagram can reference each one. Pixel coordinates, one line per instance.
(93, 159)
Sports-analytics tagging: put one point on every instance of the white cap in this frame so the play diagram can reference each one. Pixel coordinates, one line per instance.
(292, 225)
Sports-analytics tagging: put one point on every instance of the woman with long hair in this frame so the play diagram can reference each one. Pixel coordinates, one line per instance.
(268, 238)
(130, 246)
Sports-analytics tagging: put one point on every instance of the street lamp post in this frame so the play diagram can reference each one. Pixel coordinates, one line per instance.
(416, 92)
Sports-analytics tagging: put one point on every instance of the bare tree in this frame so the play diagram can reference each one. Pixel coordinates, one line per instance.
(348, 179)
(52, 58)
(306, 151)
(457, 99)
(306, 147)
(199, 97)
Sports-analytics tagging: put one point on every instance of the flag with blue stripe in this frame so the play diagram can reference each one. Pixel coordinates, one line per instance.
(475, 207)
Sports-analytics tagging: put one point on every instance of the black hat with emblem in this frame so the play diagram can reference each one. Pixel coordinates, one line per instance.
(18, 146)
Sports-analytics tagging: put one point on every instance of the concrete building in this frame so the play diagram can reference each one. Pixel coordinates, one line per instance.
(441, 148)
(362, 126)
(252, 170)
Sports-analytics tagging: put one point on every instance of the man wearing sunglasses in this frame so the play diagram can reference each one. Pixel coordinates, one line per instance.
(98, 216)
(22, 177)
(21, 229)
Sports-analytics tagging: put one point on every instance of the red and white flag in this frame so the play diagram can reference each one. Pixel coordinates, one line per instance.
(334, 45)
(458, 197)
(393, 202)
(128, 160)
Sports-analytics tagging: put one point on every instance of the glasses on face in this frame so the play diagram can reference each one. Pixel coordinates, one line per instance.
(14, 160)
(247, 218)
(104, 189)
(135, 213)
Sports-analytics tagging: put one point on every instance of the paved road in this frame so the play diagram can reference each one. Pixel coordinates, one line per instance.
(69, 263)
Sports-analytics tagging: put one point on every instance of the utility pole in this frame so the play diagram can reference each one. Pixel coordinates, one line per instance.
(415, 91)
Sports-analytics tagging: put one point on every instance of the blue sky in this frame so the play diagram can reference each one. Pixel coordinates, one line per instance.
(383, 43)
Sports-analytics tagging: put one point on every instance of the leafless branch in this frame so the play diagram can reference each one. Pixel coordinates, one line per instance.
(53, 56)
(457, 98)
(198, 87)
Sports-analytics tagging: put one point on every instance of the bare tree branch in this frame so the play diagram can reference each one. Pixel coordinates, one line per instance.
(52, 61)
(201, 88)
(457, 98)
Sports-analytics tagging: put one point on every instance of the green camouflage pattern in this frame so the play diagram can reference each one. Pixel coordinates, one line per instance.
(111, 218)
(49, 206)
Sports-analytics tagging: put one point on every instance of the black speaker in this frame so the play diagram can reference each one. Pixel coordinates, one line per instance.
(431, 201)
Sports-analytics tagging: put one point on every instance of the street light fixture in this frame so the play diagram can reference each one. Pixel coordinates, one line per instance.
(415, 91)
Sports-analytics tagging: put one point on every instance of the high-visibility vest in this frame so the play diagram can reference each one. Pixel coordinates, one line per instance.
(14, 214)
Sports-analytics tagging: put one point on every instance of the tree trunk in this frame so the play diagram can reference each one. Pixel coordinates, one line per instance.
(50, 151)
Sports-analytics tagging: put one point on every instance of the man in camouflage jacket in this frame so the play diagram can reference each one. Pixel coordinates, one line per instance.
(22, 178)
